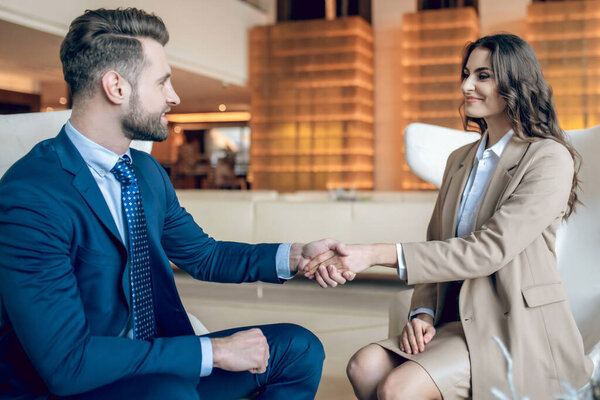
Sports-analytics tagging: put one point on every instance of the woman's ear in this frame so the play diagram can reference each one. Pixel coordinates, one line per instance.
(115, 87)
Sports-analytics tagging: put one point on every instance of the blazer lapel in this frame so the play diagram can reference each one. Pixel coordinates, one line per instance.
(84, 182)
(453, 197)
(510, 159)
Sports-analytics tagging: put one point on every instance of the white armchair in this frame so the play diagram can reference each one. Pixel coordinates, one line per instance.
(578, 240)
(20, 132)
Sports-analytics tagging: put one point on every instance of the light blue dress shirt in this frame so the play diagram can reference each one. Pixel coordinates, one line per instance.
(484, 166)
(100, 161)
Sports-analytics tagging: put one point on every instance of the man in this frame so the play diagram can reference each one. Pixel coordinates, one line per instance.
(87, 229)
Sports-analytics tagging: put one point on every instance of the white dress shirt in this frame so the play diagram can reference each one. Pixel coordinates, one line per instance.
(100, 161)
(484, 166)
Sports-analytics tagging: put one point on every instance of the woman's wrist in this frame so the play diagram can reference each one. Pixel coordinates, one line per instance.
(425, 317)
(384, 254)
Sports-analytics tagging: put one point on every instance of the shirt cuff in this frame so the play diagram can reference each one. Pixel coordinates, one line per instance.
(282, 261)
(207, 356)
(421, 310)
(401, 262)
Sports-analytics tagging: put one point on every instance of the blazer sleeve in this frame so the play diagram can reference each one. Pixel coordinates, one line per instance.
(192, 250)
(40, 297)
(539, 199)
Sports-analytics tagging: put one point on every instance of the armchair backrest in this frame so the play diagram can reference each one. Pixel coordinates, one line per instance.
(20, 132)
(578, 241)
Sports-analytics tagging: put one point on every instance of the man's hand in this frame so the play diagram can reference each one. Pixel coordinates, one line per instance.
(243, 351)
(301, 255)
(416, 334)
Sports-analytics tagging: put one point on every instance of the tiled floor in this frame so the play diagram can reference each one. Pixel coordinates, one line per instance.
(344, 318)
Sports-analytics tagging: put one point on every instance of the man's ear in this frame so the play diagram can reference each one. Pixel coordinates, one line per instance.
(115, 87)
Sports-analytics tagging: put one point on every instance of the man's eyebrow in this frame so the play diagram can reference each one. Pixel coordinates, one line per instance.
(164, 77)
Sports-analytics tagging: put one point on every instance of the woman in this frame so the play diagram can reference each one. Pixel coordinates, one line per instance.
(488, 267)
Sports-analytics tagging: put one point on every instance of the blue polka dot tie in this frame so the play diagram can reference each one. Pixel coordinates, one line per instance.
(141, 282)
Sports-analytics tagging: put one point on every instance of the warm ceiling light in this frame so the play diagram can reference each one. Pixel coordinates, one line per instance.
(177, 129)
(222, 107)
(62, 100)
(241, 116)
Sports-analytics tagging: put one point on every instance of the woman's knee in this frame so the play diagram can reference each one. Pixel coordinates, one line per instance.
(366, 362)
(390, 389)
(410, 381)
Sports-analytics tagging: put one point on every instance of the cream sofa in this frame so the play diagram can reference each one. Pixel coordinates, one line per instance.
(265, 216)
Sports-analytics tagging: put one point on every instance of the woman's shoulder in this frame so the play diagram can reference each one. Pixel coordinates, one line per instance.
(550, 147)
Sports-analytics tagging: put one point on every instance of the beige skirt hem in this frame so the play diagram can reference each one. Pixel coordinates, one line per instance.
(445, 359)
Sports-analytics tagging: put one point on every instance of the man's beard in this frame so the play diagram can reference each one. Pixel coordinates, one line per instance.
(139, 125)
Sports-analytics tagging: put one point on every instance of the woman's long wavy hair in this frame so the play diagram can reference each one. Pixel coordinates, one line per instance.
(529, 100)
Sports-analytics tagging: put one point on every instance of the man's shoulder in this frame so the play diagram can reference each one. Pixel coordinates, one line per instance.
(147, 164)
(37, 180)
(142, 158)
(40, 162)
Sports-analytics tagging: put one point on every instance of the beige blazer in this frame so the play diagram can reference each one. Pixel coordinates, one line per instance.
(512, 288)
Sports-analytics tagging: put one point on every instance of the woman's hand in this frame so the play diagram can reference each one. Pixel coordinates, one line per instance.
(417, 333)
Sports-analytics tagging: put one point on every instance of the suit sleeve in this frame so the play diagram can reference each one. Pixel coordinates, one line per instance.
(207, 259)
(40, 295)
(539, 200)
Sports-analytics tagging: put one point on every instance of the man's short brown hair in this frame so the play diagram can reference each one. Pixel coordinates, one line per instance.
(103, 40)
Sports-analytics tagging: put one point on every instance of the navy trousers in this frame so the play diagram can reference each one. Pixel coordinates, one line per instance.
(293, 373)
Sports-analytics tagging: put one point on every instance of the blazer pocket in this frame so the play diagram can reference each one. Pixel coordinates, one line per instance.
(540, 295)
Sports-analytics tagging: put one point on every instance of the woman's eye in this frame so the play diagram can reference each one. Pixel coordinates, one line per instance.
(483, 76)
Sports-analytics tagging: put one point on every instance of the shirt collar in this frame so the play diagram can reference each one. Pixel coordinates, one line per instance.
(98, 158)
(497, 149)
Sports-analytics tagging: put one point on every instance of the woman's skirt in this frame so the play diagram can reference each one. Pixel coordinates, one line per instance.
(446, 360)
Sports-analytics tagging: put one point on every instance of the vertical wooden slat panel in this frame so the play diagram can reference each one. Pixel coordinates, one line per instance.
(312, 105)
(566, 39)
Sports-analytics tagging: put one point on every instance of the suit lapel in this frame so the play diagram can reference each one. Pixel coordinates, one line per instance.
(84, 182)
(458, 180)
(510, 159)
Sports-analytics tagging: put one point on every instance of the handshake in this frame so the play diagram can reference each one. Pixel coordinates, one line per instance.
(330, 262)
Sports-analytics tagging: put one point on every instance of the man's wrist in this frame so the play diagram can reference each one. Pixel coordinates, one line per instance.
(295, 257)
(217, 351)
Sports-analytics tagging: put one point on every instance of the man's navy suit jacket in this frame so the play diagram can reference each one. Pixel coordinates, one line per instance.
(63, 293)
